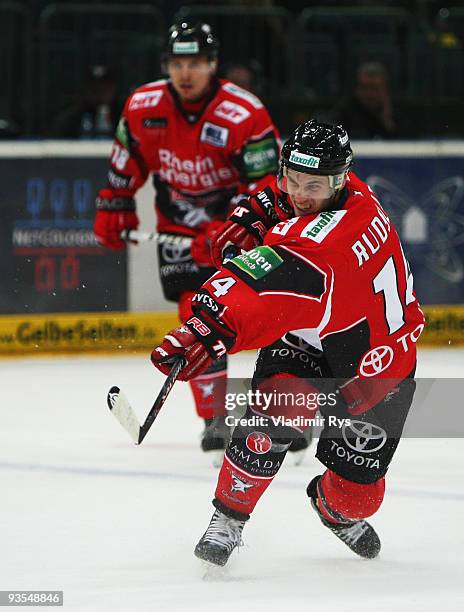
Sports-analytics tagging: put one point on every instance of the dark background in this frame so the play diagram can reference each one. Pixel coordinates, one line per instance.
(303, 55)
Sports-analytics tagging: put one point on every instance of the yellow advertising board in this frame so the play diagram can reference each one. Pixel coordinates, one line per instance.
(83, 332)
(445, 326)
(131, 332)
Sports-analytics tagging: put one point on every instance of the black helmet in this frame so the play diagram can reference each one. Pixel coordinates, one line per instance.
(318, 148)
(191, 39)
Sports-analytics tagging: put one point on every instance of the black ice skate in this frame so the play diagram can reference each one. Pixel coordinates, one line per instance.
(300, 445)
(360, 536)
(215, 438)
(223, 535)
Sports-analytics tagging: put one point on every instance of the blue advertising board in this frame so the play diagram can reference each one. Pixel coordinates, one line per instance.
(423, 194)
(49, 259)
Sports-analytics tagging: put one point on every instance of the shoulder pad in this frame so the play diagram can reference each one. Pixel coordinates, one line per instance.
(148, 95)
(315, 230)
(231, 111)
(157, 83)
(243, 94)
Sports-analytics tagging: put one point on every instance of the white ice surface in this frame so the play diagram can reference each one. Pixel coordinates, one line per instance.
(114, 525)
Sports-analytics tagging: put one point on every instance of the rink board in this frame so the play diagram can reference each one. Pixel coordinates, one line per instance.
(50, 263)
(83, 332)
(127, 332)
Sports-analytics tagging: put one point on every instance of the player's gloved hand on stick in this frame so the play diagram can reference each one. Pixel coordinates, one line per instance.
(231, 234)
(114, 214)
(183, 343)
(199, 341)
(245, 229)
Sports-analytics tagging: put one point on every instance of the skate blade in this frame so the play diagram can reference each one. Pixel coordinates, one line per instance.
(212, 572)
(217, 457)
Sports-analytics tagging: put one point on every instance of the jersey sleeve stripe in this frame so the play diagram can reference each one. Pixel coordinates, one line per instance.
(328, 309)
(337, 331)
(268, 131)
(290, 293)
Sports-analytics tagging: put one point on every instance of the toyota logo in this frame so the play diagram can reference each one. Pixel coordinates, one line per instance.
(376, 361)
(259, 442)
(368, 438)
(175, 253)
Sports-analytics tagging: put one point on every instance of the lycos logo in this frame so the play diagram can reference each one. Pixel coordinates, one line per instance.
(376, 361)
(258, 442)
(364, 437)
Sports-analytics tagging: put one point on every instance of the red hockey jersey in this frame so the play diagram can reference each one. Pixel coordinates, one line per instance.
(340, 281)
(199, 161)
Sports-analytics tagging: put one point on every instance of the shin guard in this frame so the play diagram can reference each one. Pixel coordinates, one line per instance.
(341, 500)
(252, 459)
(209, 390)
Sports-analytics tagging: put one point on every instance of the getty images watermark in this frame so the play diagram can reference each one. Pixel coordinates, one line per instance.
(261, 401)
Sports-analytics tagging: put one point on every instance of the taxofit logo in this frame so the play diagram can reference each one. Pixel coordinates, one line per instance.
(304, 160)
(323, 224)
(185, 48)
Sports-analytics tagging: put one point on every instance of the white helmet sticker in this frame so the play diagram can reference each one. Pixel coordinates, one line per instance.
(309, 161)
(186, 48)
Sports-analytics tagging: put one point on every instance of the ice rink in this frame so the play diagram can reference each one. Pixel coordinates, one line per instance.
(113, 525)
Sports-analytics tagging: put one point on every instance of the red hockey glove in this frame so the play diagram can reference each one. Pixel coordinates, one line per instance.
(231, 234)
(181, 341)
(244, 230)
(201, 244)
(112, 217)
(200, 341)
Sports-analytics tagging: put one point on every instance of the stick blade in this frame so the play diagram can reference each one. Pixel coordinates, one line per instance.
(123, 411)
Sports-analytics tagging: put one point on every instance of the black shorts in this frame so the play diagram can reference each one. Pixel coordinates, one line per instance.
(362, 448)
(358, 448)
(178, 272)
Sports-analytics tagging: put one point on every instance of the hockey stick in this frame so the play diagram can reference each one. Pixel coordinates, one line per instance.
(117, 401)
(138, 236)
(123, 411)
(230, 251)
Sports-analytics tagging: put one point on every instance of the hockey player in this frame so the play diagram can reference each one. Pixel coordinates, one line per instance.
(205, 140)
(330, 282)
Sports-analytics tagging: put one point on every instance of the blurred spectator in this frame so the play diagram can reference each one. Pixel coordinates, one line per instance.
(96, 112)
(247, 76)
(9, 130)
(367, 112)
(241, 75)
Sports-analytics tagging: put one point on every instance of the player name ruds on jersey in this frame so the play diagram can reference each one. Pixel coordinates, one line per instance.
(367, 245)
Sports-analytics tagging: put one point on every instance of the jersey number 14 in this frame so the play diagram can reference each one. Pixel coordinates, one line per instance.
(386, 282)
